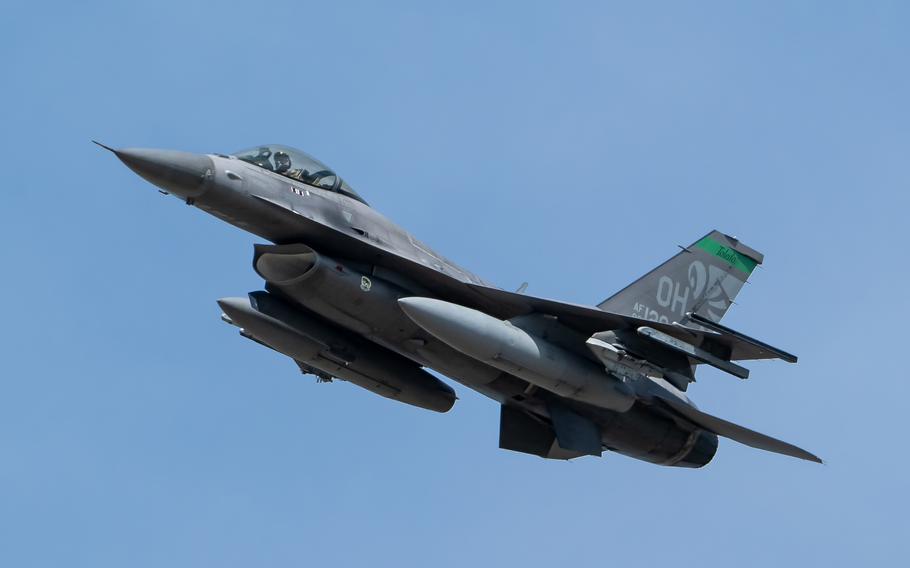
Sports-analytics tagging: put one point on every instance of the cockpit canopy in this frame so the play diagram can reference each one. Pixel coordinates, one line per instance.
(297, 165)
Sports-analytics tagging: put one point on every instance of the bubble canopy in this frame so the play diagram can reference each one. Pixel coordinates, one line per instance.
(297, 165)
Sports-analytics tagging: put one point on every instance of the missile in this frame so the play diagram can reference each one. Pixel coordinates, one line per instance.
(336, 352)
(508, 348)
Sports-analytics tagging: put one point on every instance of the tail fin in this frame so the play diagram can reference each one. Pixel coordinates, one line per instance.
(703, 278)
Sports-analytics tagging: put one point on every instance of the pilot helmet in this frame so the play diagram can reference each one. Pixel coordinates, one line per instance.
(282, 162)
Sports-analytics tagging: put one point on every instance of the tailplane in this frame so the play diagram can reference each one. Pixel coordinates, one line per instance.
(701, 279)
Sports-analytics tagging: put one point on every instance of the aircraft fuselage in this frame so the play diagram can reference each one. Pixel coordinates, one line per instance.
(385, 263)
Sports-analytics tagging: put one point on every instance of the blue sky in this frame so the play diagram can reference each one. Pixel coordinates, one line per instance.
(572, 147)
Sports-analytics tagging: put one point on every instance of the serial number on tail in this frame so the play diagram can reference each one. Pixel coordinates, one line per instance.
(645, 312)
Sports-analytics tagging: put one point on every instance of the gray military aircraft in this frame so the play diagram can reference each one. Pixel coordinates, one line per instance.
(349, 295)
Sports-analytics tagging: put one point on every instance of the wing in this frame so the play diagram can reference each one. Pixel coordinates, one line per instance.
(453, 285)
(590, 320)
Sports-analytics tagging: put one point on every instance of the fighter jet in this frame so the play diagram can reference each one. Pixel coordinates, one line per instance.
(351, 296)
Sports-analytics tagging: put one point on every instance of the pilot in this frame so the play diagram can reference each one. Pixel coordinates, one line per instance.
(262, 159)
(282, 162)
(283, 167)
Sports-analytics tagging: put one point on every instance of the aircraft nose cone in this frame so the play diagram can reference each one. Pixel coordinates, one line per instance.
(182, 173)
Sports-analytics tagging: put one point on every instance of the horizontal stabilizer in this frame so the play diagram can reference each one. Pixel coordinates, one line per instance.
(742, 338)
(738, 433)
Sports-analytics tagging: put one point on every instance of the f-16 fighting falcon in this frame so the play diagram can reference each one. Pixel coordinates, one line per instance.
(351, 296)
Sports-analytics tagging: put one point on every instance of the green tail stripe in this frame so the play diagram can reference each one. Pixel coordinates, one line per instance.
(735, 259)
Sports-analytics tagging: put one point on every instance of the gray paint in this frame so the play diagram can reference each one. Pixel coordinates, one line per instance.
(338, 274)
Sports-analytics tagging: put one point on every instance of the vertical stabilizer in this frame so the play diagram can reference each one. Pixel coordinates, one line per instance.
(702, 278)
